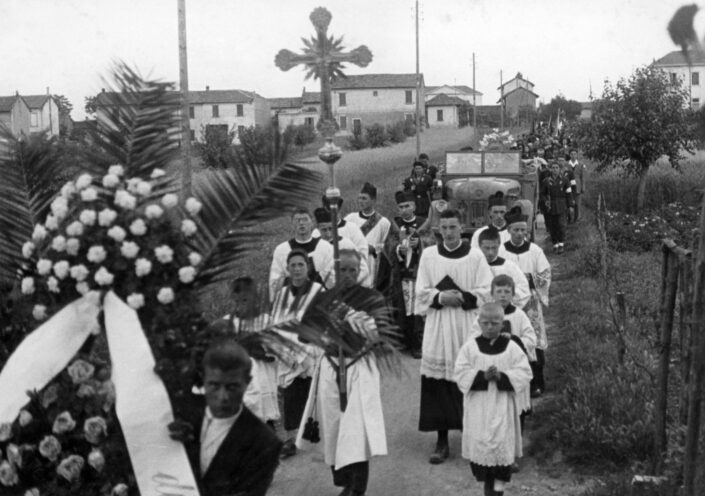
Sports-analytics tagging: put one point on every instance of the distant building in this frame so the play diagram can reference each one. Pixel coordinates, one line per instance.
(689, 76)
(585, 111)
(459, 91)
(518, 98)
(444, 111)
(44, 114)
(15, 114)
(295, 111)
(362, 100)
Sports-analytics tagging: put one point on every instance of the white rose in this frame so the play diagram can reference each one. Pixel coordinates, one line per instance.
(88, 217)
(68, 189)
(125, 200)
(193, 206)
(135, 301)
(79, 272)
(39, 233)
(8, 474)
(165, 296)
(164, 254)
(96, 254)
(25, 418)
(110, 181)
(27, 285)
(119, 490)
(53, 284)
(72, 246)
(5, 431)
(142, 267)
(144, 188)
(61, 269)
(156, 173)
(89, 195)
(132, 184)
(194, 258)
(27, 249)
(138, 227)
(51, 223)
(44, 266)
(117, 233)
(96, 459)
(74, 229)
(82, 288)
(188, 227)
(39, 312)
(187, 274)
(83, 181)
(106, 217)
(60, 205)
(129, 249)
(153, 211)
(170, 200)
(103, 277)
(63, 423)
(32, 492)
(116, 170)
(58, 243)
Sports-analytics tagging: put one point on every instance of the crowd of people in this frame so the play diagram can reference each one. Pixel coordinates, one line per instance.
(470, 309)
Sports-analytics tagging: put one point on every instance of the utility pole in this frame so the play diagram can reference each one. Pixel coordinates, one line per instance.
(185, 123)
(418, 87)
(501, 101)
(474, 107)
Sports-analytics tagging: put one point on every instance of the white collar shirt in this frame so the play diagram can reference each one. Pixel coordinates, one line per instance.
(213, 432)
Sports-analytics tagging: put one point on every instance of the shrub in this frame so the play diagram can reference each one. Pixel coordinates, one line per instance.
(357, 141)
(409, 128)
(215, 147)
(396, 132)
(300, 135)
(376, 135)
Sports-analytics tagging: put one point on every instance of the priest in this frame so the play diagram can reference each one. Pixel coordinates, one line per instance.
(452, 281)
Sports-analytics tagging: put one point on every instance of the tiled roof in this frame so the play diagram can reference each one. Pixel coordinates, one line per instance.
(200, 97)
(284, 103)
(460, 87)
(311, 97)
(444, 100)
(376, 81)
(677, 58)
(518, 76)
(35, 101)
(521, 88)
(7, 102)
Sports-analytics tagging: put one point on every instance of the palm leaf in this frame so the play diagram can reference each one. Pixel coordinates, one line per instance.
(30, 178)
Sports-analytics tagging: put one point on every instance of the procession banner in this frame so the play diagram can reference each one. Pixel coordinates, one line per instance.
(160, 464)
(46, 352)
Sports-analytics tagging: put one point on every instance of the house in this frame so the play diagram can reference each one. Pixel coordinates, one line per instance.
(296, 111)
(444, 111)
(463, 92)
(677, 68)
(15, 114)
(518, 99)
(367, 99)
(220, 111)
(44, 114)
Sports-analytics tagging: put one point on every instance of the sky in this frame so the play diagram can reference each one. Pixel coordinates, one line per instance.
(562, 46)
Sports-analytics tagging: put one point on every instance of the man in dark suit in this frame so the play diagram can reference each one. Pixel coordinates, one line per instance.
(232, 453)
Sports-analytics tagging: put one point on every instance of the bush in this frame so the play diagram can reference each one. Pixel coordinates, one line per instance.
(357, 141)
(216, 147)
(409, 128)
(376, 135)
(300, 135)
(396, 132)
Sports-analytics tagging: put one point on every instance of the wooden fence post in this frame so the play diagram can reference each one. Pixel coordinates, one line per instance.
(669, 291)
(685, 298)
(621, 327)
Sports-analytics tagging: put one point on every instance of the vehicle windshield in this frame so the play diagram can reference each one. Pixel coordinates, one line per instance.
(463, 163)
(501, 163)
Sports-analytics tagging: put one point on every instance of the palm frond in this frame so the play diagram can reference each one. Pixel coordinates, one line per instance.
(137, 125)
(30, 176)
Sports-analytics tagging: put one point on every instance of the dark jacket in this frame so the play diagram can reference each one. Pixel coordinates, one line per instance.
(556, 195)
(421, 187)
(244, 464)
(411, 228)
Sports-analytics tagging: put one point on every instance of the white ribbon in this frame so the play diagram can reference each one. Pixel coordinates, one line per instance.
(160, 464)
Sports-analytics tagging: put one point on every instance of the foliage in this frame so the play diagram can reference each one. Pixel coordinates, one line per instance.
(637, 121)
(410, 127)
(300, 135)
(65, 108)
(396, 132)
(215, 147)
(357, 141)
(90, 105)
(569, 109)
(376, 135)
(497, 140)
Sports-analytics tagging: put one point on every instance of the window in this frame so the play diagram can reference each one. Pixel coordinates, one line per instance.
(191, 112)
(674, 78)
(216, 111)
(193, 133)
(695, 79)
(695, 103)
(341, 100)
(409, 96)
(309, 121)
(240, 111)
(439, 115)
(34, 118)
(240, 130)
(374, 93)
(343, 122)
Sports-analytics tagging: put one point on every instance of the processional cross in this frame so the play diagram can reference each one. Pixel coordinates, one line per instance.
(323, 57)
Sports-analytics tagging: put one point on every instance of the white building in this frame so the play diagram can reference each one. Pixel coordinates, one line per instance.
(692, 77)
(459, 91)
(43, 114)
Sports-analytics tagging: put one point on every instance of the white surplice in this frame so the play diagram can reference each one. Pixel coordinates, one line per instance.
(491, 427)
(447, 328)
(522, 293)
(376, 238)
(357, 434)
(319, 251)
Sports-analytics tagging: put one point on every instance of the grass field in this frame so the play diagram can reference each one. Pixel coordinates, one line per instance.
(386, 168)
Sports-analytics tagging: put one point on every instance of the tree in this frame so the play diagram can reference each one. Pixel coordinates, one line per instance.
(90, 105)
(65, 108)
(636, 122)
(569, 109)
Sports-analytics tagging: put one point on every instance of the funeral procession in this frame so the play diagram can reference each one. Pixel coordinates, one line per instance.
(320, 248)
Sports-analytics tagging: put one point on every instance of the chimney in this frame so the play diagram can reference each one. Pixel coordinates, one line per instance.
(208, 88)
(17, 92)
(48, 93)
(102, 90)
